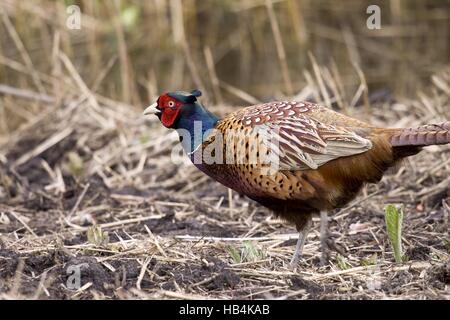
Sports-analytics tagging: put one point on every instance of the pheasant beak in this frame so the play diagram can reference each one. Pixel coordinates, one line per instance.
(152, 110)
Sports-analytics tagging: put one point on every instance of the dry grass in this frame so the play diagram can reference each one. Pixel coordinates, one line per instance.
(171, 232)
(75, 152)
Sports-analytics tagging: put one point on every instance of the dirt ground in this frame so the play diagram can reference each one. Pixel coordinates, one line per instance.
(93, 206)
(164, 230)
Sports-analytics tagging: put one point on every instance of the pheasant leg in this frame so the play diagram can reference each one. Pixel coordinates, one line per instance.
(324, 237)
(300, 243)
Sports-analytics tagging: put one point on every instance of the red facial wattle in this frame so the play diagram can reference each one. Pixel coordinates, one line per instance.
(169, 116)
(170, 110)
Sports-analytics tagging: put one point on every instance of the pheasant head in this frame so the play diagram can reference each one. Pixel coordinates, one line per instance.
(177, 108)
(182, 111)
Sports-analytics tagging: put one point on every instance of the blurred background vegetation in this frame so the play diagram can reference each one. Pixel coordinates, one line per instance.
(76, 154)
(238, 52)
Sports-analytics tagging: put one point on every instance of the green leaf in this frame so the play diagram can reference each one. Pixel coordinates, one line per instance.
(234, 253)
(76, 164)
(342, 262)
(247, 253)
(447, 243)
(394, 221)
(96, 236)
(370, 261)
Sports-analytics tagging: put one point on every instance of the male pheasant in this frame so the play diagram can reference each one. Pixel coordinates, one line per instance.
(295, 158)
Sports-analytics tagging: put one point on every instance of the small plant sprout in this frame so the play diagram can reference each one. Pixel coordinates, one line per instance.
(250, 252)
(394, 221)
(75, 164)
(370, 261)
(96, 236)
(342, 262)
(247, 253)
(234, 254)
(447, 243)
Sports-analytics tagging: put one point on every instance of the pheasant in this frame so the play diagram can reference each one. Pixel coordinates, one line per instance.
(298, 159)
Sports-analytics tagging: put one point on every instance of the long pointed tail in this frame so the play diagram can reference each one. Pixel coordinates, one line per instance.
(409, 141)
(426, 135)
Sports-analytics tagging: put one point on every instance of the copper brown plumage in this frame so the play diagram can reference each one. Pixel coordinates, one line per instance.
(323, 157)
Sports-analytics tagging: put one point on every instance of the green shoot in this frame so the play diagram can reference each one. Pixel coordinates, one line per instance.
(76, 165)
(370, 261)
(247, 253)
(234, 253)
(96, 236)
(447, 243)
(250, 253)
(342, 262)
(394, 221)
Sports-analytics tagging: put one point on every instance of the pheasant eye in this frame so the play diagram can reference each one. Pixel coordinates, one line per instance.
(171, 104)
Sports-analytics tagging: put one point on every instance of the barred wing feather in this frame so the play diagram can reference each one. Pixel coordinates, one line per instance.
(298, 141)
(302, 143)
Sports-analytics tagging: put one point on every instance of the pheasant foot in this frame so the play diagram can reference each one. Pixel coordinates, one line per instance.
(300, 243)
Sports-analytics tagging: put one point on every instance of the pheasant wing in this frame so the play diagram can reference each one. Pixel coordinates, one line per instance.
(296, 139)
